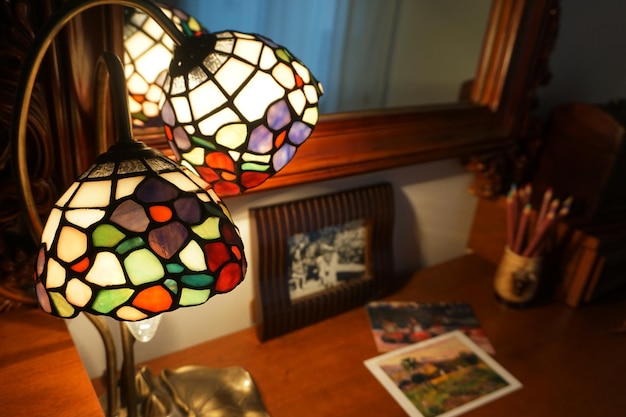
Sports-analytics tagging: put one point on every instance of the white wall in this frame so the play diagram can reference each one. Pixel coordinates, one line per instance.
(433, 217)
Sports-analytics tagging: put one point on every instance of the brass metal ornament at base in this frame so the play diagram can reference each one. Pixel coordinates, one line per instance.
(197, 391)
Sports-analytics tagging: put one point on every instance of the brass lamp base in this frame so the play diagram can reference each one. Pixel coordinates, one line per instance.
(197, 391)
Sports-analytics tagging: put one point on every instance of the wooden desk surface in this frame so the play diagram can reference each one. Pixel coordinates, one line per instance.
(570, 362)
(41, 373)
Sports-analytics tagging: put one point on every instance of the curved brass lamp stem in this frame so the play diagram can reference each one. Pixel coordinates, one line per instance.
(23, 94)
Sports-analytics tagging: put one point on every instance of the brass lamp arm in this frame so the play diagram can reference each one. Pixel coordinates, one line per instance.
(27, 78)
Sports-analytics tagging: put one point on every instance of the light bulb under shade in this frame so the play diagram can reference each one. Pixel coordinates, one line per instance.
(237, 112)
(151, 239)
(148, 51)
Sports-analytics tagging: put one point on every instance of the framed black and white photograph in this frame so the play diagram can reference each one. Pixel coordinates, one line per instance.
(321, 256)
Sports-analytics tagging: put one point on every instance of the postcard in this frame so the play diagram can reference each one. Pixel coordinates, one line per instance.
(396, 324)
(443, 376)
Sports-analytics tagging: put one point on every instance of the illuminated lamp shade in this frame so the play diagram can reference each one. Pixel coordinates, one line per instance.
(237, 111)
(135, 236)
(148, 51)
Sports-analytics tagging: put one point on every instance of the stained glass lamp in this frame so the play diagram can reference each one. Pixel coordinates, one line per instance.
(148, 50)
(135, 236)
(237, 106)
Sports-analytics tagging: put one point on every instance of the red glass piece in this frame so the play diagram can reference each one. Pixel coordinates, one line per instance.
(250, 179)
(230, 276)
(228, 176)
(217, 253)
(218, 160)
(208, 174)
(299, 81)
(280, 139)
(81, 266)
(224, 188)
(235, 250)
(168, 132)
(155, 299)
(160, 214)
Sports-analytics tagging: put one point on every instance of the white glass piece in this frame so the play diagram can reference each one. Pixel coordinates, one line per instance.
(310, 115)
(234, 155)
(180, 180)
(150, 109)
(178, 85)
(127, 186)
(205, 99)
(250, 157)
(297, 101)
(196, 77)
(284, 75)
(153, 29)
(209, 126)
(106, 270)
(195, 156)
(181, 108)
(56, 274)
(136, 84)
(232, 136)
(193, 257)
(144, 330)
(225, 45)
(233, 74)
(78, 293)
(130, 314)
(84, 217)
(72, 244)
(268, 58)
(260, 92)
(67, 194)
(311, 94)
(302, 71)
(133, 105)
(243, 35)
(248, 50)
(137, 44)
(151, 64)
(154, 93)
(92, 194)
(50, 228)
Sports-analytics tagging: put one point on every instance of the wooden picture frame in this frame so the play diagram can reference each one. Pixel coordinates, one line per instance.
(350, 230)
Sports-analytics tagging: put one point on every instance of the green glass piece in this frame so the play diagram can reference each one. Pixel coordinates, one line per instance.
(197, 280)
(191, 297)
(209, 229)
(107, 300)
(171, 285)
(130, 244)
(251, 166)
(174, 268)
(107, 236)
(64, 309)
(143, 266)
(203, 143)
(283, 55)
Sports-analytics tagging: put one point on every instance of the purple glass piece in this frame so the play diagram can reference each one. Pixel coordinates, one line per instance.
(156, 191)
(131, 216)
(167, 240)
(181, 138)
(299, 132)
(167, 114)
(278, 115)
(188, 210)
(282, 156)
(261, 140)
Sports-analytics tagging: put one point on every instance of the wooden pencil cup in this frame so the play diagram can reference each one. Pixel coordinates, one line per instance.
(517, 278)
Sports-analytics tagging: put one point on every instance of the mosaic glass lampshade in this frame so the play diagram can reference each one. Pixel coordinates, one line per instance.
(135, 236)
(237, 106)
(148, 51)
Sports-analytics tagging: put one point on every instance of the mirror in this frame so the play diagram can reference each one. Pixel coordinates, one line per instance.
(490, 118)
(368, 54)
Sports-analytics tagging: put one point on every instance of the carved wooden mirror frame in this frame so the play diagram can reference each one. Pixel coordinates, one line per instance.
(488, 126)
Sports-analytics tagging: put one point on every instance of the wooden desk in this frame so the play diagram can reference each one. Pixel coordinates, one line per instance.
(41, 373)
(569, 361)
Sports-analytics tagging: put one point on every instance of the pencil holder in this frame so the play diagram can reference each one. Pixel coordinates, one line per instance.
(517, 278)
